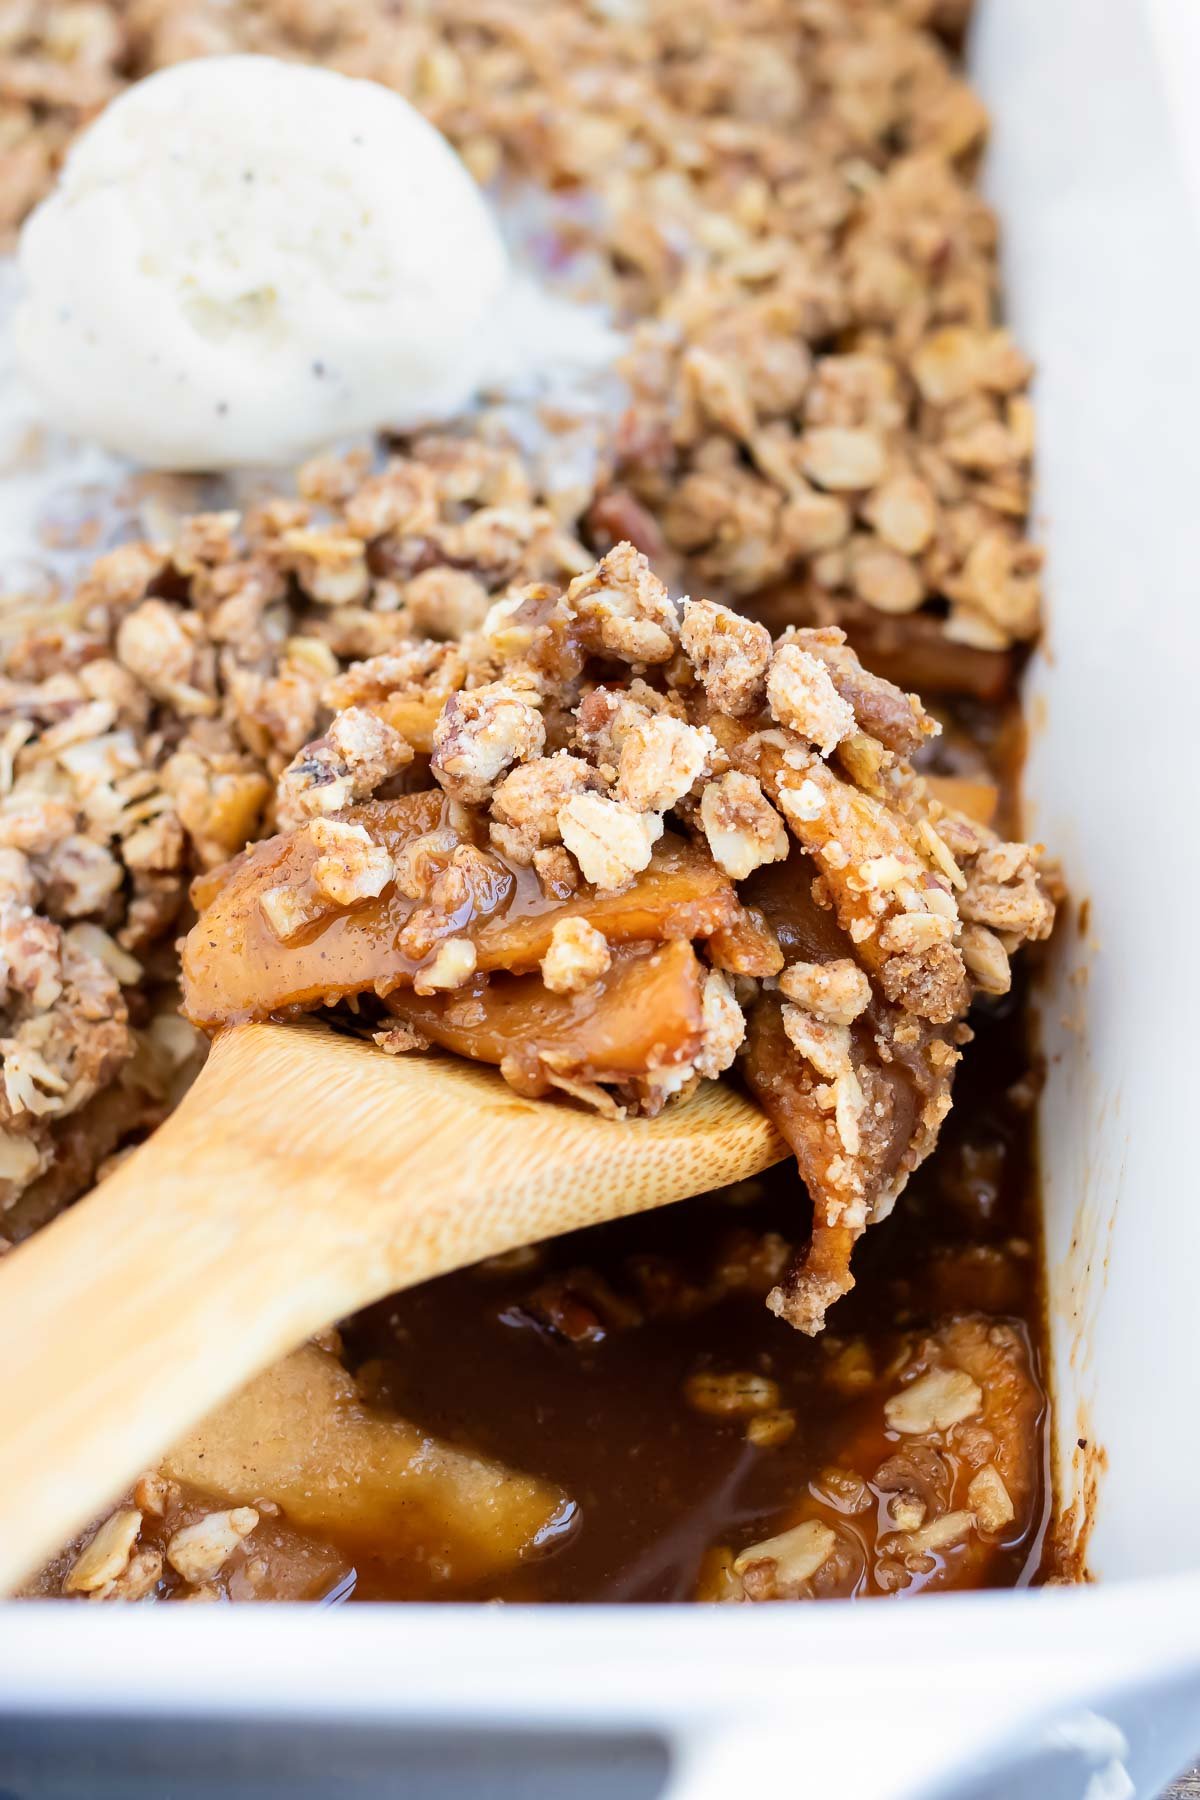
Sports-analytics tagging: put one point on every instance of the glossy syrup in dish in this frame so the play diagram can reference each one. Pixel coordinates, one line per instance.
(575, 1364)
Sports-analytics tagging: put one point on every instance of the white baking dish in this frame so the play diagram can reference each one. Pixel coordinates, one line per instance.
(1023, 1694)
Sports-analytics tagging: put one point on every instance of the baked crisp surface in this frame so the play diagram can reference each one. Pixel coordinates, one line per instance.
(620, 782)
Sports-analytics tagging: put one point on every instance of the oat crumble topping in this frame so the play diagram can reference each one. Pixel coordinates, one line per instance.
(192, 696)
(545, 747)
(779, 196)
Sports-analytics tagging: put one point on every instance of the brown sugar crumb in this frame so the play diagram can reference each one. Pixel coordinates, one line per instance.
(1003, 892)
(358, 752)
(331, 566)
(781, 1567)
(607, 714)
(802, 696)
(198, 1551)
(289, 912)
(138, 1580)
(444, 603)
(990, 1500)
(401, 501)
(349, 865)
(836, 991)
(840, 457)
(827, 1049)
(557, 873)
(769, 1430)
(609, 839)
(661, 760)
(525, 805)
(577, 957)
(480, 734)
(931, 980)
(730, 655)
(741, 826)
(740, 1395)
(623, 608)
(398, 1040)
(151, 1493)
(934, 1402)
(159, 644)
(724, 1026)
(452, 966)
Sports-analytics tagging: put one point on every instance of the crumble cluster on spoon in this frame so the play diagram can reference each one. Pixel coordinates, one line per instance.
(614, 844)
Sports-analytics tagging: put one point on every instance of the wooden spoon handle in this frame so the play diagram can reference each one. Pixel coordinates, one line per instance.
(134, 1313)
(304, 1176)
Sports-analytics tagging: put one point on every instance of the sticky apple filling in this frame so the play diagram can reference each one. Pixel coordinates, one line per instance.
(648, 844)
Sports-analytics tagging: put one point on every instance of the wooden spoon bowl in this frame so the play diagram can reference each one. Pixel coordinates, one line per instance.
(304, 1175)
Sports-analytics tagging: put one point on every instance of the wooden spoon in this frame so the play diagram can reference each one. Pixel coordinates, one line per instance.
(304, 1175)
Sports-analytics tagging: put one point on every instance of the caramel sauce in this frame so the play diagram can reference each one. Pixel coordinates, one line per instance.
(574, 1368)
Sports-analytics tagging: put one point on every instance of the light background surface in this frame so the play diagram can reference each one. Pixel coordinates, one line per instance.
(1101, 231)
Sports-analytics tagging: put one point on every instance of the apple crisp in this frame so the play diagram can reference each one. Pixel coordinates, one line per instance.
(639, 842)
(689, 758)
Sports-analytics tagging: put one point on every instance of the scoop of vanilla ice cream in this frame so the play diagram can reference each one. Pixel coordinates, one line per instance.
(246, 259)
